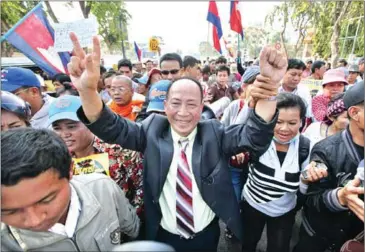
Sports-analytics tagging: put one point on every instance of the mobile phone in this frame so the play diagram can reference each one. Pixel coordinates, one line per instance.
(318, 165)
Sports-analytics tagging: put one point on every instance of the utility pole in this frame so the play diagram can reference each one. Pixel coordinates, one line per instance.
(122, 34)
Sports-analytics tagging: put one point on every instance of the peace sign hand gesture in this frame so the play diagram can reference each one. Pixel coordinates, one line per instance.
(84, 68)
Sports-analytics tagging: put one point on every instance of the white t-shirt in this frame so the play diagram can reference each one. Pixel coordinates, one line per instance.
(313, 132)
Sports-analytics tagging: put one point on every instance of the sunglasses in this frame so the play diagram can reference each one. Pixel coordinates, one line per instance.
(173, 71)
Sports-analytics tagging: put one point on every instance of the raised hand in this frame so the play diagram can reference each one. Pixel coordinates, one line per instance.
(84, 68)
(273, 64)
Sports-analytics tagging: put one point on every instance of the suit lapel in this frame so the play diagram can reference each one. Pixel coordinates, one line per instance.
(196, 159)
(166, 146)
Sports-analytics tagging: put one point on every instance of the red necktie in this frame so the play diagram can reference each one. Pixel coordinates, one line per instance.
(184, 194)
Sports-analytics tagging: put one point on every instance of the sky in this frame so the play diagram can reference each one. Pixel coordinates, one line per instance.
(183, 25)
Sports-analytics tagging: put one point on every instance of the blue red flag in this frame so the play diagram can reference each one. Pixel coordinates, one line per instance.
(213, 17)
(34, 37)
(235, 18)
(138, 51)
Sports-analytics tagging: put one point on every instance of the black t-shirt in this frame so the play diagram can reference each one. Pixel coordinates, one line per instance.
(281, 156)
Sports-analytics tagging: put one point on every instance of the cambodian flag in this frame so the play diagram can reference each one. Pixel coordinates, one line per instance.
(235, 19)
(213, 17)
(34, 37)
(138, 51)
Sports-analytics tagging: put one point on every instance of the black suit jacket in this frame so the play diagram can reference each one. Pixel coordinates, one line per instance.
(213, 146)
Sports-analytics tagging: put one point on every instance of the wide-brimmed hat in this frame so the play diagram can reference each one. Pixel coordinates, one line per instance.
(334, 75)
(354, 68)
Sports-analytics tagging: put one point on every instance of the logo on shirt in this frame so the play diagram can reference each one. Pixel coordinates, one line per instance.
(116, 236)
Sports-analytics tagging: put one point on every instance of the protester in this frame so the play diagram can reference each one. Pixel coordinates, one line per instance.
(45, 208)
(354, 72)
(291, 84)
(342, 63)
(157, 97)
(124, 103)
(221, 61)
(125, 68)
(24, 83)
(149, 65)
(318, 69)
(154, 75)
(59, 79)
(361, 68)
(190, 67)
(308, 66)
(142, 85)
(15, 113)
(222, 88)
(336, 121)
(170, 65)
(138, 67)
(107, 82)
(271, 195)
(123, 166)
(333, 212)
(334, 83)
(67, 89)
(198, 228)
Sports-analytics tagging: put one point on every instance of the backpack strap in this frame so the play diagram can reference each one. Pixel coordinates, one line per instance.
(304, 149)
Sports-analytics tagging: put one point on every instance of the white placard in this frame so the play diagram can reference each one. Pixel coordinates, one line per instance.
(84, 29)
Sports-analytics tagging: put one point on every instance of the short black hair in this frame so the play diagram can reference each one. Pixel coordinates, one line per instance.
(296, 64)
(317, 65)
(28, 152)
(220, 60)
(171, 57)
(206, 70)
(343, 61)
(224, 68)
(309, 62)
(61, 78)
(67, 88)
(186, 78)
(189, 61)
(125, 63)
(289, 100)
(102, 70)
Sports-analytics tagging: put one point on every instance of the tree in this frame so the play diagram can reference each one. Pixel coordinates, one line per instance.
(11, 13)
(255, 39)
(112, 18)
(50, 12)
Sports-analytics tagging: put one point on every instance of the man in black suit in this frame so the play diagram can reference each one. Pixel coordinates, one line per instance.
(187, 184)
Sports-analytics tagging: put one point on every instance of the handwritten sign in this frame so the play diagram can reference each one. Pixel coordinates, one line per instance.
(84, 29)
(153, 45)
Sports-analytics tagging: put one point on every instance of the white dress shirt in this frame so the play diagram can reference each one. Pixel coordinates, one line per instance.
(203, 215)
(304, 93)
(72, 216)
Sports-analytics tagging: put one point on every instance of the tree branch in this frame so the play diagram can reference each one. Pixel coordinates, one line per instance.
(50, 12)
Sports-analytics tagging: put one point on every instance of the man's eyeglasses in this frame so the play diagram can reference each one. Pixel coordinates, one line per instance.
(173, 71)
(118, 89)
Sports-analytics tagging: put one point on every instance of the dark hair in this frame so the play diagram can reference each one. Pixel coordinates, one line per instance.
(61, 78)
(309, 62)
(107, 75)
(206, 70)
(189, 61)
(288, 100)
(224, 68)
(125, 63)
(317, 65)
(211, 61)
(296, 64)
(222, 60)
(102, 70)
(171, 57)
(361, 61)
(28, 152)
(186, 78)
(343, 61)
(67, 88)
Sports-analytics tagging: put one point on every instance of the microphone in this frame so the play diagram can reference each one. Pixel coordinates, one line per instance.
(219, 106)
(144, 246)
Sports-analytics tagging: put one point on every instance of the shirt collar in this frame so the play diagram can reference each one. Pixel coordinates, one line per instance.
(176, 137)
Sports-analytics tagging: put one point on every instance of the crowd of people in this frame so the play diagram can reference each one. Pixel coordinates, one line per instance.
(163, 154)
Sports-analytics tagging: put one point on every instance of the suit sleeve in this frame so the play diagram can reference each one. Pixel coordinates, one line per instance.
(114, 129)
(322, 195)
(255, 136)
(239, 67)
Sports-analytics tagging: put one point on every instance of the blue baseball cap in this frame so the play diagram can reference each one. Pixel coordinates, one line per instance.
(143, 80)
(13, 78)
(64, 107)
(157, 96)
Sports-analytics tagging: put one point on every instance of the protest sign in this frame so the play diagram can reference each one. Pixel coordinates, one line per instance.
(84, 29)
(98, 163)
(312, 84)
